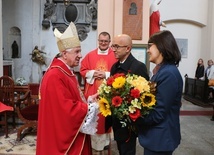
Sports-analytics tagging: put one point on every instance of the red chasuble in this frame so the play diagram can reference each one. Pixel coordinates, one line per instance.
(61, 114)
(154, 22)
(93, 61)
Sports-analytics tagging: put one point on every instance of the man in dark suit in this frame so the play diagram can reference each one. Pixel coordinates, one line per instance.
(122, 45)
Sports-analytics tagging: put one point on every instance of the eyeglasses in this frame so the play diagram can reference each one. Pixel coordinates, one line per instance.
(149, 45)
(115, 46)
(104, 41)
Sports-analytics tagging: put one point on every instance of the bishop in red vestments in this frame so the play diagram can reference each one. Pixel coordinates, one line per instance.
(63, 110)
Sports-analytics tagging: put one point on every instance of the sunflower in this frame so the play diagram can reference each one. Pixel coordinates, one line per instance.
(104, 107)
(148, 100)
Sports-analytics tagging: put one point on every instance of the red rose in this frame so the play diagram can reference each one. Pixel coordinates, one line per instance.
(110, 80)
(135, 115)
(117, 101)
(135, 93)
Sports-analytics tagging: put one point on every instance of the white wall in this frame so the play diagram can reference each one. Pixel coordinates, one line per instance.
(27, 15)
(188, 65)
(14, 16)
(195, 10)
(188, 19)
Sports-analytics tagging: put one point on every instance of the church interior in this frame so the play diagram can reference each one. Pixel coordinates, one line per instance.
(28, 45)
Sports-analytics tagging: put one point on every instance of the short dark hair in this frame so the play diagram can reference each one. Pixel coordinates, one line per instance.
(167, 45)
(105, 34)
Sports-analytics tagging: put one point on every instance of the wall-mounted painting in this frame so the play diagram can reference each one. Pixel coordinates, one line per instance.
(139, 51)
(183, 46)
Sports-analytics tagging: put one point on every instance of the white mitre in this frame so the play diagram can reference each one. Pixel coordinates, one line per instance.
(67, 40)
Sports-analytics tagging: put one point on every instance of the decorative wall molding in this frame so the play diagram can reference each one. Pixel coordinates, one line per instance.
(82, 12)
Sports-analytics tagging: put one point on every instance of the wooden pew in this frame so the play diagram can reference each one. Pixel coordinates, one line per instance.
(197, 92)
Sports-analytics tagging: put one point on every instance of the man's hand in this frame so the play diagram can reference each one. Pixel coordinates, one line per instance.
(99, 74)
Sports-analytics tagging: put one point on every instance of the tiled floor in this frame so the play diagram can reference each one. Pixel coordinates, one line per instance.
(197, 135)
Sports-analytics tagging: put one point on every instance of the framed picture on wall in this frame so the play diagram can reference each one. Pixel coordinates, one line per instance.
(183, 46)
(139, 51)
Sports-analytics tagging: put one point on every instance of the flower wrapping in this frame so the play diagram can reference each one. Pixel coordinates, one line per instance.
(126, 96)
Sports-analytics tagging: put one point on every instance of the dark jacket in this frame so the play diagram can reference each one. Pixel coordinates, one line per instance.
(131, 65)
(199, 73)
(160, 129)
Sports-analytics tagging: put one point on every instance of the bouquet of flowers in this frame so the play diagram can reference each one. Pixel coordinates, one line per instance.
(126, 96)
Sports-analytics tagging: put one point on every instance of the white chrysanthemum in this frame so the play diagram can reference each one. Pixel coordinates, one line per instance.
(126, 112)
(101, 87)
(135, 103)
(100, 90)
(132, 109)
(129, 79)
(107, 89)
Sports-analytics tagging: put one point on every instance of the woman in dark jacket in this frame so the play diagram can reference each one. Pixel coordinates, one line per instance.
(159, 131)
(199, 73)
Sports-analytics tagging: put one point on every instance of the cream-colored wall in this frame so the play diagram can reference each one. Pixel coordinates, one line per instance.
(105, 17)
(210, 35)
(194, 10)
(1, 52)
(110, 18)
(184, 20)
(187, 19)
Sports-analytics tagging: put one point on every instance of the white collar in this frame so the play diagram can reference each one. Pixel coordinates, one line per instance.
(99, 52)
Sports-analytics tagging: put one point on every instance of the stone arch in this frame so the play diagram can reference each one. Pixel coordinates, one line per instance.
(192, 22)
